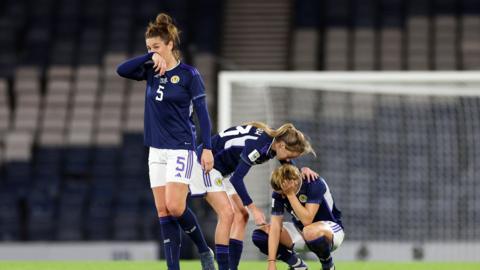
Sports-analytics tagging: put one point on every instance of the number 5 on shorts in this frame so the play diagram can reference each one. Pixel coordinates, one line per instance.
(180, 164)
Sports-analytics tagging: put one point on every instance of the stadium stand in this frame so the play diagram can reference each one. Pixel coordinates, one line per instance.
(72, 161)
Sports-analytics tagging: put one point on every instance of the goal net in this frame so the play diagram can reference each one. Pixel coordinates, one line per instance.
(400, 151)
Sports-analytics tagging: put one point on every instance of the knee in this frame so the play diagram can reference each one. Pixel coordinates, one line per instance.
(259, 238)
(175, 209)
(226, 215)
(311, 233)
(241, 216)
(161, 210)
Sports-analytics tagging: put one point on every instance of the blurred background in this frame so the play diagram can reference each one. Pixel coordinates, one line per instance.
(73, 167)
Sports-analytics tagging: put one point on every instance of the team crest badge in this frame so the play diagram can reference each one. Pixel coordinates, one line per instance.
(303, 198)
(218, 181)
(175, 79)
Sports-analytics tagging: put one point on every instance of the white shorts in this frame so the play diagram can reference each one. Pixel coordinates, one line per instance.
(202, 183)
(169, 165)
(228, 186)
(337, 232)
(299, 242)
(182, 166)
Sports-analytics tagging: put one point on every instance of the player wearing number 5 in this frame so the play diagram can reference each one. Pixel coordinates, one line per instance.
(172, 88)
(236, 150)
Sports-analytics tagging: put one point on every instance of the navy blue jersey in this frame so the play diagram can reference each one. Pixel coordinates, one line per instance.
(236, 149)
(240, 143)
(168, 103)
(314, 192)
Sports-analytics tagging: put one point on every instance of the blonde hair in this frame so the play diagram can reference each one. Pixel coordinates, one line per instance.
(293, 138)
(282, 174)
(164, 28)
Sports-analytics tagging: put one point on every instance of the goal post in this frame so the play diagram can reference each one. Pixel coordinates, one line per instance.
(362, 82)
(400, 150)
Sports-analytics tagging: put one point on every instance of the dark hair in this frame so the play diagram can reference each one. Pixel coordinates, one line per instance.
(164, 28)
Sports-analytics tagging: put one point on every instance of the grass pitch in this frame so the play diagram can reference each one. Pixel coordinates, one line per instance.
(246, 265)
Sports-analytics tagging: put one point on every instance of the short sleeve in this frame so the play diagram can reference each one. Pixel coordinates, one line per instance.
(196, 87)
(277, 204)
(315, 191)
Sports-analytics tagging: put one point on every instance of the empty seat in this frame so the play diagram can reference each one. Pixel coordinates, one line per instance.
(445, 42)
(18, 146)
(4, 109)
(336, 49)
(391, 49)
(41, 212)
(71, 211)
(418, 43)
(126, 216)
(10, 220)
(100, 215)
(470, 44)
(364, 49)
(77, 160)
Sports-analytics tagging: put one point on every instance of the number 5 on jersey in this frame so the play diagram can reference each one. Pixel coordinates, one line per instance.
(160, 93)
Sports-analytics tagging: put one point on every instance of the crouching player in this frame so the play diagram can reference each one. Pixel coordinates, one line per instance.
(313, 213)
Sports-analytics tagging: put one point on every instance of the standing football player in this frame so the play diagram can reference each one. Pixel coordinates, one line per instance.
(173, 88)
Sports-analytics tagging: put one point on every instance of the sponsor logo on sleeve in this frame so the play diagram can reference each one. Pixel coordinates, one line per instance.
(303, 198)
(254, 155)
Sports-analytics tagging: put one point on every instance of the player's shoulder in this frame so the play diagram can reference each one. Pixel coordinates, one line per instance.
(261, 143)
(277, 196)
(190, 70)
(317, 184)
(263, 137)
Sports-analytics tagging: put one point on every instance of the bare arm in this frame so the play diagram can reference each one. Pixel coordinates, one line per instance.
(304, 213)
(274, 240)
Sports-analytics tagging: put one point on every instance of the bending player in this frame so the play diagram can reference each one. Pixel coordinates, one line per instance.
(313, 213)
(235, 151)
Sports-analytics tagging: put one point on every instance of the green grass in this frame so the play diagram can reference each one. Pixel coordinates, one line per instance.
(247, 265)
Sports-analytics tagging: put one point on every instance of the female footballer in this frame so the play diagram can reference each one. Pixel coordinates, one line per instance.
(172, 88)
(235, 151)
(314, 215)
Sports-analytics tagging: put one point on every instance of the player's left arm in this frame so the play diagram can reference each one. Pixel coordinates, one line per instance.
(274, 239)
(306, 213)
(134, 68)
(197, 91)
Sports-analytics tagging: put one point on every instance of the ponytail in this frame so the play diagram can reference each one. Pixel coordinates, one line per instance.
(293, 138)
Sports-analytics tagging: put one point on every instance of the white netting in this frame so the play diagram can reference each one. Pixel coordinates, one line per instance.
(401, 152)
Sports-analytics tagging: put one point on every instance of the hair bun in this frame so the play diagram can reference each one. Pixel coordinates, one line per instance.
(163, 19)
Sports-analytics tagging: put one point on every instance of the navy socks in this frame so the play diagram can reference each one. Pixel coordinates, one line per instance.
(235, 249)
(260, 239)
(222, 256)
(172, 238)
(322, 248)
(190, 226)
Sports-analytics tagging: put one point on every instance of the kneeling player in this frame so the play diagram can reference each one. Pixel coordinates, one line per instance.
(313, 213)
